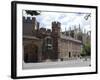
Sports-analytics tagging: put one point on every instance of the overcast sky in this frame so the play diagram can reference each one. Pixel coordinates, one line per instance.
(66, 19)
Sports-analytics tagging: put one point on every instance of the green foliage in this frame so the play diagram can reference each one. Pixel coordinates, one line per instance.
(32, 12)
(83, 55)
(86, 50)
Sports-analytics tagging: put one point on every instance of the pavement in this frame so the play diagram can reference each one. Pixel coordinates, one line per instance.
(57, 64)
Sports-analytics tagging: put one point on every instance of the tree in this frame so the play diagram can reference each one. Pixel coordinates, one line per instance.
(86, 50)
(32, 12)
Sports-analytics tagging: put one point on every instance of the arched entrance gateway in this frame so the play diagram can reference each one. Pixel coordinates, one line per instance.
(31, 53)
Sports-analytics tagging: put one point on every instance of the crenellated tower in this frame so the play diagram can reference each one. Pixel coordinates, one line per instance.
(56, 29)
(29, 25)
(55, 35)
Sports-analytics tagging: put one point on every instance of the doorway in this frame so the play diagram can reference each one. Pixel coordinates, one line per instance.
(69, 54)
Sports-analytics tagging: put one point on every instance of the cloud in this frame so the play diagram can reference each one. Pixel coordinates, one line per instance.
(79, 20)
(66, 19)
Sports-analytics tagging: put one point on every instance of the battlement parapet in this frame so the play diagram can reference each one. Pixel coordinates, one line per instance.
(56, 24)
(29, 19)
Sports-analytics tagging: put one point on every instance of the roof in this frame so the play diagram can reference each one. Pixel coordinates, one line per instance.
(70, 38)
(30, 37)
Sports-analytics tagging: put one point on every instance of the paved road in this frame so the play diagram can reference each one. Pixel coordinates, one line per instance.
(48, 64)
